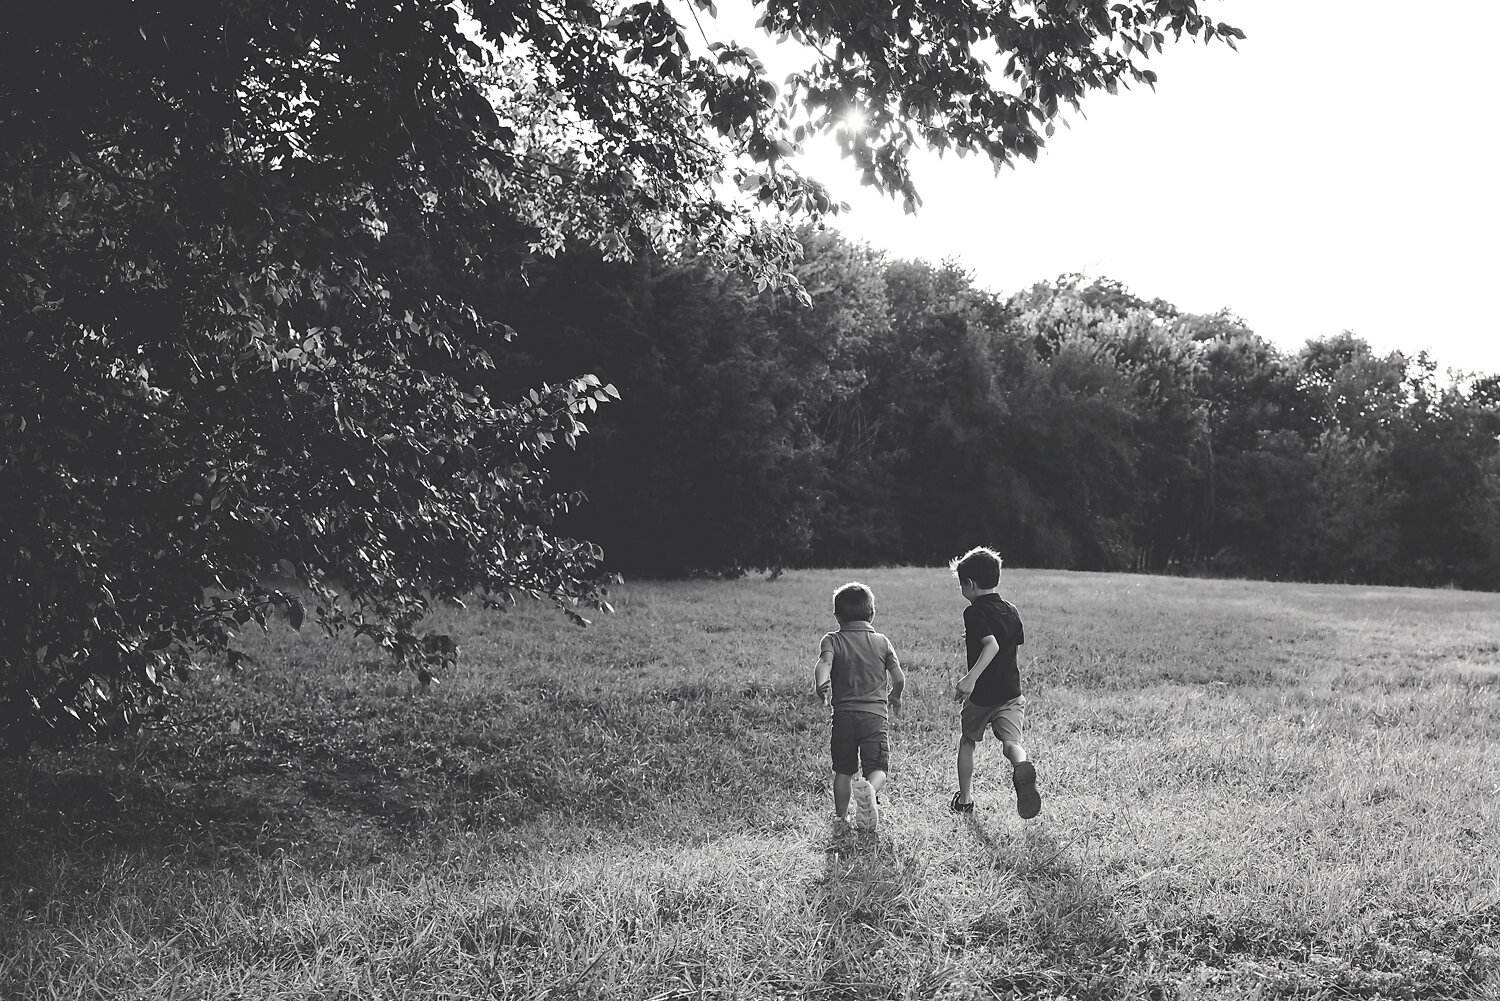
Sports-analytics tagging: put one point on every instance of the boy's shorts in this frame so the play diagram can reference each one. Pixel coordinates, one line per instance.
(1005, 719)
(860, 737)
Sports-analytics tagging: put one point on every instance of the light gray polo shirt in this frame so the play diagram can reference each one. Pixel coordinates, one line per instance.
(861, 660)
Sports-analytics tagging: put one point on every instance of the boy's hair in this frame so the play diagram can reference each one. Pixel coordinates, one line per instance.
(854, 603)
(980, 565)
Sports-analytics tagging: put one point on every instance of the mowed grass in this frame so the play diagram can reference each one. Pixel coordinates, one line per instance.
(1252, 790)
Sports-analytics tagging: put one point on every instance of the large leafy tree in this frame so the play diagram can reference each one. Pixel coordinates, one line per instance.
(240, 243)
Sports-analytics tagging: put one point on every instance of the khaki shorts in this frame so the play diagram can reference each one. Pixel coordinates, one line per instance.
(1005, 719)
(860, 738)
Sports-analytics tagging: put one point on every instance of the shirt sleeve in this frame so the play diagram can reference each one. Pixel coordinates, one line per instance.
(975, 626)
(892, 662)
(826, 645)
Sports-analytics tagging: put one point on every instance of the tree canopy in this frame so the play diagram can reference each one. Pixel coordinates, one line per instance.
(244, 253)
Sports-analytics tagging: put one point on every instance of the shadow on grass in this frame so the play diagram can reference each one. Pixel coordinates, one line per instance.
(1078, 946)
(866, 900)
(1064, 917)
(339, 777)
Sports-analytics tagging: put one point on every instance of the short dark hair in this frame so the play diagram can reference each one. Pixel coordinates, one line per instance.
(854, 603)
(981, 565)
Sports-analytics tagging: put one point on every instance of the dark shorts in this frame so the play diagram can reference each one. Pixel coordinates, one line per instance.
(1005, 720)
(860, 738)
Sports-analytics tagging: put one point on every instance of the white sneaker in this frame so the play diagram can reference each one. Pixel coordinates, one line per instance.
(868, 816)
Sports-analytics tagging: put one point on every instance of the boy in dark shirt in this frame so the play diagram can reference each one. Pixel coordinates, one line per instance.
(991, 690)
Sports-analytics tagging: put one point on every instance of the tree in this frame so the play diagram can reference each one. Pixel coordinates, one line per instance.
(709, 461)
(1067, 449)
(1256, 497)
(927, 402)
(1160, 362)
(240, 247)
(1444, 457)
(1352, 534)
(830, 347)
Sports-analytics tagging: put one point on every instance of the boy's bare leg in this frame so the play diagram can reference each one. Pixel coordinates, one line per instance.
(876, 779)
(841, 794)
(1014, 751)
(965, 768)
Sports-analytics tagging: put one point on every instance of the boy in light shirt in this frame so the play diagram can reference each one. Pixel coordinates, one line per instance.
(859, 675)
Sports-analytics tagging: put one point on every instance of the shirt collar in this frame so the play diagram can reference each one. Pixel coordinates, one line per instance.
(857, 626)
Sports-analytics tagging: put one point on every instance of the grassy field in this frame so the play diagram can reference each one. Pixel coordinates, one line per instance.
(1252, 790)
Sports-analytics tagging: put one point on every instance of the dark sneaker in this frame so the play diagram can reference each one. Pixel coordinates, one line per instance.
(1028, 800)
(957, 806)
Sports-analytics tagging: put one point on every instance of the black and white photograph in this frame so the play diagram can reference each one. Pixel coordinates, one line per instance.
(749, 500)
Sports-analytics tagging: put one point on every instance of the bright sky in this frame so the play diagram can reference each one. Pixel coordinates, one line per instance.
(1338, 172)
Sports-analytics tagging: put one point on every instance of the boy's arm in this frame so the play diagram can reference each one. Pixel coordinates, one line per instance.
(898, 683)
(823, 676)
(989, 646)
(897, 676)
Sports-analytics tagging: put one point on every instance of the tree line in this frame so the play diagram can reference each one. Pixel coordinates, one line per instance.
(909, 413)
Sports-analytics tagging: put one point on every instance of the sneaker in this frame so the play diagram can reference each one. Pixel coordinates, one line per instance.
(868, 817)
(957, 805)
(1028, 800)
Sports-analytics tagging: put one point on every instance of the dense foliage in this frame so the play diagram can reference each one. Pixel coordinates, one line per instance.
(248, 254)
(910, 414)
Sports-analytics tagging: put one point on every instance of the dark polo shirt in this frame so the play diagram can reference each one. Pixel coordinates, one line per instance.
(992, 615)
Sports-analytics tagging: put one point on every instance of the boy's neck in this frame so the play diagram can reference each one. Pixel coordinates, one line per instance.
(981, 592)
